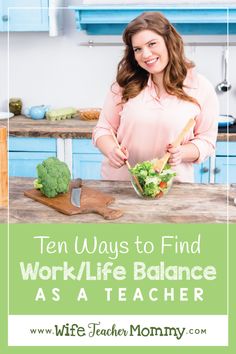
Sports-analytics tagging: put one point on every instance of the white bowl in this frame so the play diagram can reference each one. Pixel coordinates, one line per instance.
(225, 119)
(6, 115)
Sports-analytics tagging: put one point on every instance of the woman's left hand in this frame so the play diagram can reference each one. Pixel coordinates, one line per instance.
(176, 155)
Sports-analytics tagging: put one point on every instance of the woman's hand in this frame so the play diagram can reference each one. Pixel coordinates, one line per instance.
(176, 155)
(182, 153)
(118, 156)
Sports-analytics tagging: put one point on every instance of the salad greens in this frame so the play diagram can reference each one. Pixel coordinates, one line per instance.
(152, 182)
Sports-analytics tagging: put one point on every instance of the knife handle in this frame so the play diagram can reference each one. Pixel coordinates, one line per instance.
(76, 183)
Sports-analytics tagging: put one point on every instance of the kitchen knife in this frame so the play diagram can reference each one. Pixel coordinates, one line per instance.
(76, 194)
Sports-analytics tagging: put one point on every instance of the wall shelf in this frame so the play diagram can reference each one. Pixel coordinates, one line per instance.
(111, 20)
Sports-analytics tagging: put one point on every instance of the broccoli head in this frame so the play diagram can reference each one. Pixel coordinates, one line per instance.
(53, 177)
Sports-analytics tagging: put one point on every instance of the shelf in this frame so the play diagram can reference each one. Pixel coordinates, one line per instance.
(111, 20)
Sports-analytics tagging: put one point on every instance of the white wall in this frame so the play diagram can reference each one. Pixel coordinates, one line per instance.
(59, 72)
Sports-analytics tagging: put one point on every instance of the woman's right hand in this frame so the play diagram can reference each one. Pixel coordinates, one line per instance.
(118, 156)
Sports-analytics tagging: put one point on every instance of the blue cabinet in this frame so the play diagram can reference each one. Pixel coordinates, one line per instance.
(222, 168)
(202, 172)
(26, 153)
(188, 19)
(86, 159)
(24, 15)
(225, 170)
(3, 17)
(225, 163)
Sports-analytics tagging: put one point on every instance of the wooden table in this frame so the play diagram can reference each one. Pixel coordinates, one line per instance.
(185, 203)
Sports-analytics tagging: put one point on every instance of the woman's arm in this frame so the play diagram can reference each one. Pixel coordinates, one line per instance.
(206, 128)
(110, 115)
(110, 119)
(202, 145)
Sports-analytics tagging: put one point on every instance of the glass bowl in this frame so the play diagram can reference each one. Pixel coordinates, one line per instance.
(160, 194)
(154, 184)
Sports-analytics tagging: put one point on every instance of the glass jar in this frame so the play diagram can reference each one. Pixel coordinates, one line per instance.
(15, 106)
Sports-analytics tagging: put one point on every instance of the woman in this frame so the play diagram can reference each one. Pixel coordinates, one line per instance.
(156, 92)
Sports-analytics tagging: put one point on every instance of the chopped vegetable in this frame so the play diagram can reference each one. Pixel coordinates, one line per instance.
(163, 185)
(152, 182)
(53, 177)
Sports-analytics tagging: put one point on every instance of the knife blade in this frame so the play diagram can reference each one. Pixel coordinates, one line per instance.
(76, 195)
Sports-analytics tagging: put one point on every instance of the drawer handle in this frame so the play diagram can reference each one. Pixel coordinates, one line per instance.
(205, 170)
(5, 18)
(216, 170)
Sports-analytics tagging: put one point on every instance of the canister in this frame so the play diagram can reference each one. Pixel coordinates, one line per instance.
(15, 106)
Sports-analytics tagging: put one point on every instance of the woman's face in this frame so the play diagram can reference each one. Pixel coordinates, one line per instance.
(150, 51)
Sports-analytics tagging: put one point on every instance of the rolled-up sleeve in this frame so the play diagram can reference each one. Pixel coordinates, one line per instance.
(205, 131)
(110, 115)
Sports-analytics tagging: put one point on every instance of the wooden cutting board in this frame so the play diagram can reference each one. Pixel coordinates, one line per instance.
(92, 201)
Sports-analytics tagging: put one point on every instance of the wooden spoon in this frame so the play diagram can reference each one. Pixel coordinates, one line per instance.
(159, 164)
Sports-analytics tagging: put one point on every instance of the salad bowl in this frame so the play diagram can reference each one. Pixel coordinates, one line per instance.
(154, 185)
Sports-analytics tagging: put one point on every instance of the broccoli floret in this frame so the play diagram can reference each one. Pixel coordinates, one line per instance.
(53, 177)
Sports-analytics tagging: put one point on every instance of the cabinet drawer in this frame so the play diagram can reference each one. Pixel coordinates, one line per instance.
(23, 164)
(224, 148)
(84, 146)
(226, 170)
(86, 159)
(87, 166)
(32, 144)
(202, 172)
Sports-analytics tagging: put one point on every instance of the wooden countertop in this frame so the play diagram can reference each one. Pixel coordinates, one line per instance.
(69, 128)
(185, 203)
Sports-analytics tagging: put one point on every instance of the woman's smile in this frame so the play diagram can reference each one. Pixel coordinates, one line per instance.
(151, 62)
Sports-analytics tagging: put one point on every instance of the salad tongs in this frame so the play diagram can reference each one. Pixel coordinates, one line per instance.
(159, 164)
